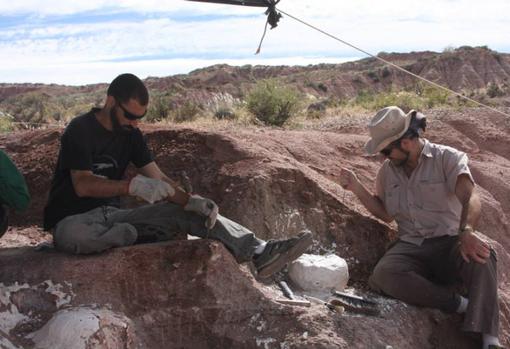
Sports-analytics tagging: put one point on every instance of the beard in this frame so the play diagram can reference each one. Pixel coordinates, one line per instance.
(119, 129)
(401, 162)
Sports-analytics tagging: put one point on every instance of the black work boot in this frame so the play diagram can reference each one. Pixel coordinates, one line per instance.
(278, 253)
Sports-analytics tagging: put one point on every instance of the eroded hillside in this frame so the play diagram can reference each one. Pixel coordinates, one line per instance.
(276, 182)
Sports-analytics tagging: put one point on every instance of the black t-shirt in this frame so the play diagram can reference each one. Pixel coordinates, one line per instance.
(87, 145)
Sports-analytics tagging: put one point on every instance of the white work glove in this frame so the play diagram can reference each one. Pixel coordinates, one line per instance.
(205, 207)
(150, 189)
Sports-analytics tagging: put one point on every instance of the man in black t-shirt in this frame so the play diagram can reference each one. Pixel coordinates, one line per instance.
(83, 207)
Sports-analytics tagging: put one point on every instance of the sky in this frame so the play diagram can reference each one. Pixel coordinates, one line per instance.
(81, 42)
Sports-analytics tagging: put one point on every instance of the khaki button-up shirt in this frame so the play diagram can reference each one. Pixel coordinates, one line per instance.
(424, 205)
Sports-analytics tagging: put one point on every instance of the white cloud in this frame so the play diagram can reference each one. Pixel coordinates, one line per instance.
(180, 31)
(91, 73)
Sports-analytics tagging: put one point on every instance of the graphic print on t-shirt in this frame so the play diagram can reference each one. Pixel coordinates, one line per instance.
(105, 165)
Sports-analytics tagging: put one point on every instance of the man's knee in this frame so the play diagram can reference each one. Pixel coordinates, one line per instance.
(381, 277)
(482, 271)
(388, 279)
(74, 236)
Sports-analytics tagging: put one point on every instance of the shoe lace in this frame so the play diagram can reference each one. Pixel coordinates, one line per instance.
(275, 245)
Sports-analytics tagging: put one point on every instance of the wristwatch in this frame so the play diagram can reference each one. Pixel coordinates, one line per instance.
(465, 229)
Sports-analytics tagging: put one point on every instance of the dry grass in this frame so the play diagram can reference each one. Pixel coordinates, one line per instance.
(333, 118)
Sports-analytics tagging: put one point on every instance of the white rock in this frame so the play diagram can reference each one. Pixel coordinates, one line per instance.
(81, 328)
(319, 273)
(70, 328)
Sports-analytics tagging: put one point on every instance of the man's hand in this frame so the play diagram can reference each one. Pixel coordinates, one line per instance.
(150, 189)
(205, 207)
(473, 246)
(349, 180)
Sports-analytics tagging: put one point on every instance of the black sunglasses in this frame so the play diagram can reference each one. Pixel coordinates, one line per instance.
(129, 115)
(387, 151)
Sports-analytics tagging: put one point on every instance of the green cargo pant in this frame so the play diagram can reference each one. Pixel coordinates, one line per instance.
(106, 227)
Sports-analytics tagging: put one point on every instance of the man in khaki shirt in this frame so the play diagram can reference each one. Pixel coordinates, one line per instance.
(429, 191)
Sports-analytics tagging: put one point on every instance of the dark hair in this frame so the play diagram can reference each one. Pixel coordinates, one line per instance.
(417, 125)
(128, 86)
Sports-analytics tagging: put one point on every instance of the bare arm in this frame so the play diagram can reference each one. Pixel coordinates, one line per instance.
(87, 184)
(472, 244)
(349, 181)
(471, 206)
(152, 170)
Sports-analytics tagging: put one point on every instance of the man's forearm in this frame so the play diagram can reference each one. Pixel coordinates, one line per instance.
(98, 187)
(372, 203)
(471, 209)
(470, 201)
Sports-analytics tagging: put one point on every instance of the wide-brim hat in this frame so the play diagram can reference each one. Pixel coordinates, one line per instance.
(388, 125)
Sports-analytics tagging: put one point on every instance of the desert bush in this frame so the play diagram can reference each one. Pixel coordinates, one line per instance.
(38, 107)
(225, 114)
(449, 49)
(223, 106)
(6, 124)
(317, 110)
(373, 76)
(160, 108)
(186, 112)
(434, 96)
(385, 72)
(34, 107)
(493, 90)
(422, 96)
(272, 103)
(322, 87)
(403, 99)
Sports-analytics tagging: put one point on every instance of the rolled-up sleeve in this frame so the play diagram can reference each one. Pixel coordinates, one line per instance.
(455, 163)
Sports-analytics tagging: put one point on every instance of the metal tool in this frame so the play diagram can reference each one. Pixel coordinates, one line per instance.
(334, 308)
(286, 290)
(355, 303)
(299, 302)
(188, 188)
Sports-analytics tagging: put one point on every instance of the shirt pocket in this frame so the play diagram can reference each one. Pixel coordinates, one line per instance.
(392, 199)
(433, 195)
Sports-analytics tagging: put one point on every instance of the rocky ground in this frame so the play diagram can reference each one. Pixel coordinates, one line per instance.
(192, 294)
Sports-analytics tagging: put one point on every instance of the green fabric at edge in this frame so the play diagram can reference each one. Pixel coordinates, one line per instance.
(13, 189)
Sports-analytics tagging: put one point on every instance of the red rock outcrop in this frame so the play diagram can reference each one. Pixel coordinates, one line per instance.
(277, 183)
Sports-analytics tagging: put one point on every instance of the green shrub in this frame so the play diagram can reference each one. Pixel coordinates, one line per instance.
(423, 96)
(6, 124)
(322, 87)
(272, 103)
(159, 108)
(39, 107)
(385, 72)
(493, 90)
(186, 112)
(225, 114)
(403, 99)
(435, 96)
(373, 76)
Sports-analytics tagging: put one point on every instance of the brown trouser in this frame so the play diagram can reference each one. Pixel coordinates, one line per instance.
(423, 275)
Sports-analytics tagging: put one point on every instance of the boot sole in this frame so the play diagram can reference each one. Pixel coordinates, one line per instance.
(287, 257)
